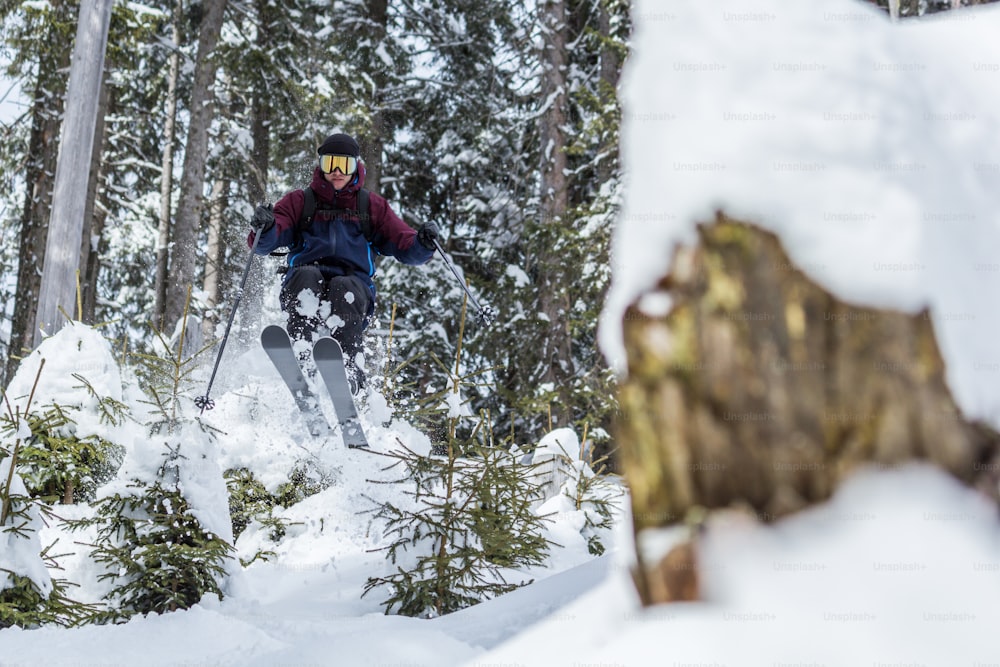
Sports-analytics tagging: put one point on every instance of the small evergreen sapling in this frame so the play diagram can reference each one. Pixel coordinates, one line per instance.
(59, 462)
(471, 518)
(250, 502)
(29, 595)
(155, 549)
(471, 515)
(158, 553)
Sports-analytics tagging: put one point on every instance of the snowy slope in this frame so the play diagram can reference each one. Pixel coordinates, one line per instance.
(899, 569)
(302, 605)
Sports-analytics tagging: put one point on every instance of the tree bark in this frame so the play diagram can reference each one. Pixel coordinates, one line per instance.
(44, 146)
(62, 247)
(187, 226)
(94, 215)
(555, 192)
(215, 257)
(43, 149)
(761, 392)
(167, 173)
(556, 352)
(610, 69)
(373, 139)
(260, 159)
(260, 116)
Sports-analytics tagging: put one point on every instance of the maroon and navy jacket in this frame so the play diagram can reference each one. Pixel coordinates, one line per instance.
(334, 241)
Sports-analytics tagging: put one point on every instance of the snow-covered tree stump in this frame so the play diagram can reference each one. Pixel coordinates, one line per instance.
(751, 387)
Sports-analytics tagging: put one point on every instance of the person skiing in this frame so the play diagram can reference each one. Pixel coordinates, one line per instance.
(328, 284)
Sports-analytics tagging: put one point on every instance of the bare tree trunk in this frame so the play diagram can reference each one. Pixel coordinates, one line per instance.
(555, 193)
(554, 203)
(215, 258)
(373, 141)
(167, 172)
(187, 226)
(62, 247)
(260, 118)
(611, 67)
(770, 394)
(43, 147)
(260, 158)
(260, 121)
(94, 216)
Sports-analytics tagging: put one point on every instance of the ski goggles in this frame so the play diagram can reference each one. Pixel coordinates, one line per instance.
(345, 163)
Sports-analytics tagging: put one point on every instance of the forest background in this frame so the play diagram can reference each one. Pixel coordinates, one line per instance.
(496, 119)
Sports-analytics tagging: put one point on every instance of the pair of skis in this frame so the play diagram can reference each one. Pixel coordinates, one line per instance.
(329, 360)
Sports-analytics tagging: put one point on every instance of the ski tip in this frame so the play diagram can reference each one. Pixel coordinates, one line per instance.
(327, 343)
(274, 333)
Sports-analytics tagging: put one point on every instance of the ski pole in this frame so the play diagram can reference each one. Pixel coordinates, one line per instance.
(204, 402)
(486, 314)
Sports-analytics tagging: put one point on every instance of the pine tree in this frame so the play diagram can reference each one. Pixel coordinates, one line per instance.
(471, 516)
(29, 596)
(159, 554)
(156, 552)
(471, 524)
(60, 463)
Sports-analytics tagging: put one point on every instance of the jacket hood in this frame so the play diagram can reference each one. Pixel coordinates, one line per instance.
(324, 189)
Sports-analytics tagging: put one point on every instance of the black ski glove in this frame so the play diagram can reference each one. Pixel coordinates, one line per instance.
(427, 235)
(263, 218)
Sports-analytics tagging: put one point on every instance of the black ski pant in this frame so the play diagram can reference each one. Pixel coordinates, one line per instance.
(349, 302)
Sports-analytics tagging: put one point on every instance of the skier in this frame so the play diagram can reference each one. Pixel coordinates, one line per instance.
(328, 283)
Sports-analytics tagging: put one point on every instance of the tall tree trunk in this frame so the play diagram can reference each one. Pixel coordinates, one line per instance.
(43, 148)
(260, 114)
(555, 192)
(373, 139)
(554, 202)
(215, 258)
(187, 226)
(611, 67)
(167, 172)
(260, 159)
(94, 216)
(62, 247)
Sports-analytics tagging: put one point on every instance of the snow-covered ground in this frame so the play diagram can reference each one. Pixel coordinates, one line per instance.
(302, 605)
(873, 150)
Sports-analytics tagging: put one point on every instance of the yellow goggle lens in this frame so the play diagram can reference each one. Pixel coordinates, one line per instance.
(347, 164)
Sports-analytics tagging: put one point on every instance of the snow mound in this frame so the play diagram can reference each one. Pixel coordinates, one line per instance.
(899, 568)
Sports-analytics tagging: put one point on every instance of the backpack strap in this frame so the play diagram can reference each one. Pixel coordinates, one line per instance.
(364, 215)
(308, 209)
